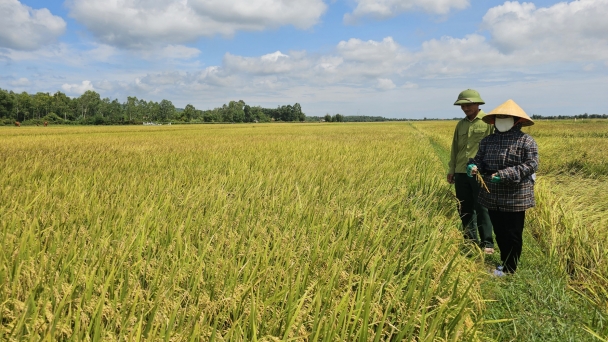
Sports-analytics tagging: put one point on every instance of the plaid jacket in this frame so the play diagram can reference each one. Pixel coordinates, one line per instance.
(514, 156)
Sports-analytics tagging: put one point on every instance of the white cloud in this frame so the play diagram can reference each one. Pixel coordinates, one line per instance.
(180, 52)
(25, 28)
(382, 9)
(385, 84)
(589, 67)
(260, 14)
(563, 32)
(77, 88)
(143, 23)
(273, 63)
(373, 59)
(21, 82)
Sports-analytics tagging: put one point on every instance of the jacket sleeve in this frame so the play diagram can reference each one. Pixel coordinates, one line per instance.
(515, 174)
(453, 153)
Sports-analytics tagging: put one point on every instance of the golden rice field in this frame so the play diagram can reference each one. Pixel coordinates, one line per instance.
(268, 232)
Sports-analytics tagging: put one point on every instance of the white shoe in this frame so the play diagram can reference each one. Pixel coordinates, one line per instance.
(498, 272)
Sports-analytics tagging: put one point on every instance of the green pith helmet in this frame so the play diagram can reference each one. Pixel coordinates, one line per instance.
(468, 96)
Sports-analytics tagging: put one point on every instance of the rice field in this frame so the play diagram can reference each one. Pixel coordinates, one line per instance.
(268, 232)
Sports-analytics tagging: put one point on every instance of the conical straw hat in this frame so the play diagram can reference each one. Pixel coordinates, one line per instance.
(509, 108)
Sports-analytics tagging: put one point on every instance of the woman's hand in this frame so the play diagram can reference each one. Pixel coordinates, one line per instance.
(495, 178)
(471, 170)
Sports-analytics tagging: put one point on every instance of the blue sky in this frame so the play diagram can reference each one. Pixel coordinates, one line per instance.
(393, 58)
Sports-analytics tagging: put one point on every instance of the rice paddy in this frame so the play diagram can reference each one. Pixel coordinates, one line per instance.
(271, 232)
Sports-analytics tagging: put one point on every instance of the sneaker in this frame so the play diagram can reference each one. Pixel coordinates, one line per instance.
(488, 250)
(498, 272)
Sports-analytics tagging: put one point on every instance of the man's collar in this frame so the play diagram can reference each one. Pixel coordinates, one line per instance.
(479, 115)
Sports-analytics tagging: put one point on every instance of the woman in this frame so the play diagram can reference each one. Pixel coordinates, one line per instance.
(507, 161)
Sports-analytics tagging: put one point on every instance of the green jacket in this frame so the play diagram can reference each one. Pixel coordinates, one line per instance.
(467, 136)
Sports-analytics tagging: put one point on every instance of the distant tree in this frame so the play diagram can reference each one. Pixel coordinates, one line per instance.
(327, 118)
(41, 104)
(61, 105)
(339, 118)
(6, 103)
(299, 115)
(188, 113)
(131, 107)
(89, 103)
(167, 110)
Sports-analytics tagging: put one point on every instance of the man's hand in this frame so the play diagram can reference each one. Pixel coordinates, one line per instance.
(451, 178)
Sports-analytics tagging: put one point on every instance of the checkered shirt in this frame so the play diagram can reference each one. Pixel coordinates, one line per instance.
(514, 156)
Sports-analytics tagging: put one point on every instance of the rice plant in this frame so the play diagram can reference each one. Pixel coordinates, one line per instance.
(275, 232)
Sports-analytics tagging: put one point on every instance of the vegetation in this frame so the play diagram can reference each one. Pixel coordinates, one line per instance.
(350, 118)
(91, 109)
(283, 232)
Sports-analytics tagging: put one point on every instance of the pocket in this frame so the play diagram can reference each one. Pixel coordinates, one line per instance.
(513, 156)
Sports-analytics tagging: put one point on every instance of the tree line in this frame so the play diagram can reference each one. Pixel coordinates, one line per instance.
(351, 118)
(562, 117)
(91, 109)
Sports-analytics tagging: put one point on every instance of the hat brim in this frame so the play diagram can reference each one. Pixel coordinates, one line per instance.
(468, 101)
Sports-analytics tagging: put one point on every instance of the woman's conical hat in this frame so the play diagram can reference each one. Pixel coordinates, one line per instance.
(508, 108)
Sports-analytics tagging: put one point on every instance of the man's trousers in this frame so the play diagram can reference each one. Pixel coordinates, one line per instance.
(474, 216)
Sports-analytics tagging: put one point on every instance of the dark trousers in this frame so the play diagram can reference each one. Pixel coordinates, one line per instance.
(509, 228)
(474, 216)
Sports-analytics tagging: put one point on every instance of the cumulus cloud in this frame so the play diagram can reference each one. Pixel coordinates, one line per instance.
(273, 63)
(565, 31)
(143, 23)
(179, 52)
(21, 82)
(25, 28)
(385, 84)
(77, 88)
(382, 9)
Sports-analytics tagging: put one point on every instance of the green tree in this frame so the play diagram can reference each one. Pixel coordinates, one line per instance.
(41, 104)
(61, 105)
(189, 113)
(131, 107)
(298, 114)
(327, 118)
(6, 103)
(88, 103)
(22, 106)
(167, 110)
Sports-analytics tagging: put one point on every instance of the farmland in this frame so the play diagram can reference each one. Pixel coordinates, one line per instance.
(287, 232)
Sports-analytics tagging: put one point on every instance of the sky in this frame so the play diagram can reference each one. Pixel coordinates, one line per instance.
(391, 58)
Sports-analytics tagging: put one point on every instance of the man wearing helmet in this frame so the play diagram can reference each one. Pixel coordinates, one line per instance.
(467, 135)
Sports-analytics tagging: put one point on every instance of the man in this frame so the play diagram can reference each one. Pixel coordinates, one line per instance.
(467, 135)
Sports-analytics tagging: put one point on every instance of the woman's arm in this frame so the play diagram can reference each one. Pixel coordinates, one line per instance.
(515, 174)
